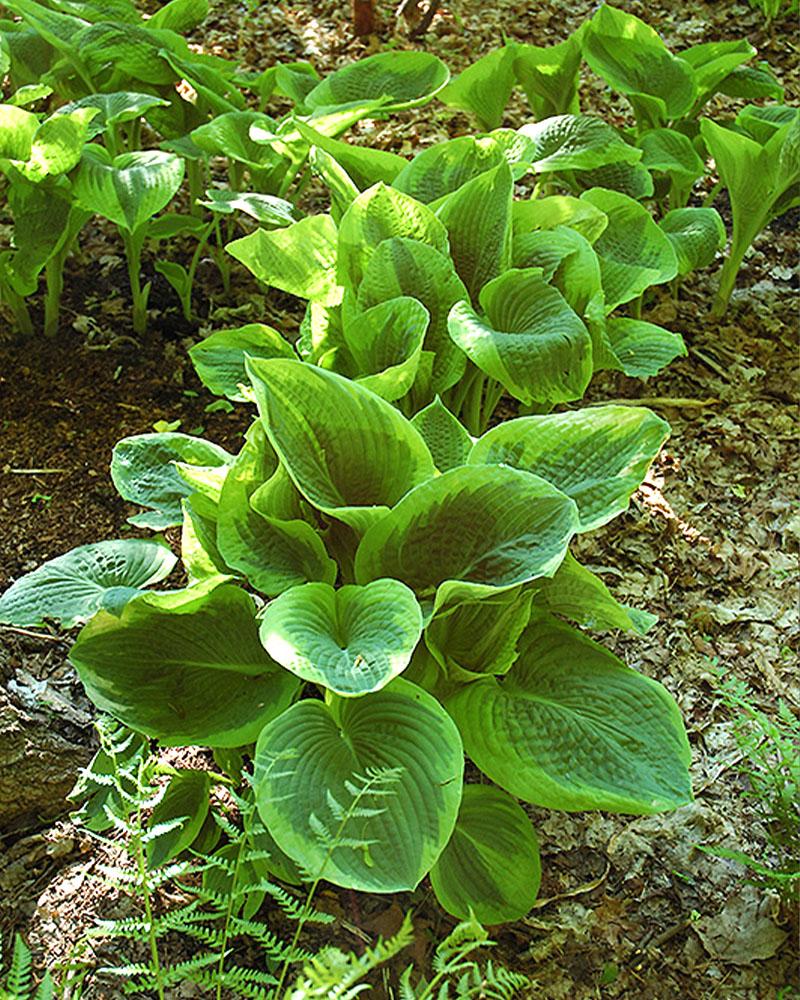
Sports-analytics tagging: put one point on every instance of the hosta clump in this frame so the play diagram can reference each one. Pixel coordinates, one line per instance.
(368, 592)
(430, 278)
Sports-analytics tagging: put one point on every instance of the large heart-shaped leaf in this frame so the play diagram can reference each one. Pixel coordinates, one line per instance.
(634, 253)
(571, 727)
(128, 189)
(490, 868)
(71, 588)
(642, 349)
(143, 471)
(379, 214)
(229, 135)
(672, 153)
(363, 792)
(478, 221)
(575, 142)
(395, 79)
(351, 641)
(401, 267)
(484, 87)
(184, 668)
(470, 532)
(365, 166)
(115, 108)
(385, 342)
(181, 812)
(349, 452)
(444, 167)
(299, 259)
(550, 75)
(530, 340)
(696, 234)
(219, 359)
(558, 210)
(598, 456)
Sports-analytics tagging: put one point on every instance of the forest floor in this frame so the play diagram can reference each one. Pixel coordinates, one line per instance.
(629, 907)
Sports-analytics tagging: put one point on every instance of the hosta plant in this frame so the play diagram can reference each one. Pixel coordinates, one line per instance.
(368, 592)
(429, 278)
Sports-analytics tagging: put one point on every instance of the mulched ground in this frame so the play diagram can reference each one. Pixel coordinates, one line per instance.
(629, 907)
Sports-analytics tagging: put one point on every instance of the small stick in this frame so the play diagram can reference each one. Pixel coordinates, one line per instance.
(36, 472)
(677, 401)
(32, 635)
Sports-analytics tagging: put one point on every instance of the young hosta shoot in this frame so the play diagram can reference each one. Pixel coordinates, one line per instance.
(412, 577)
(760, 167)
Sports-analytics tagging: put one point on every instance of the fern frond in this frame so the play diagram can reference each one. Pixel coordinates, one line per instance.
(20, 974)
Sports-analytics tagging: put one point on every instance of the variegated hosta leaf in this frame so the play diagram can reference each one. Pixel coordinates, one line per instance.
(143, 472)
(672, 153)
(530, 340)
(115, 108)
(446, 166)
(350, 453)
(469, 533)
(558, 210)
(71, 588)
(696, 234)
(575, 142)
(571, 727)
(299, 259)
(642, 349)
(549, 75)
(229, 135)
(634, 253)
(379, 214)
(352, 641)
(405, 267)
(446, 437)
(478, 221)
(480, 636)
(185, 667)
(385, 343)
(381, 776)
(365, 166)
(266, 209)
(490, 869)
(219, 358)
(484, 87)
(270, 544)
(598, 456)
(128, 189)
(397, 80)
(578, 594)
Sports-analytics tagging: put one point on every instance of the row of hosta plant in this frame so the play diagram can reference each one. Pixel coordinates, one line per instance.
(106, 84)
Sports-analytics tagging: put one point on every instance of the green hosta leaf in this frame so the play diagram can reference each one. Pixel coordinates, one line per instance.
(180, 15)
(671, 153)
(571, 727)
(632, 59)
(642, 349)
(350, 453)
(184, 668)
(490, 869)
(143, 472)
(385, 343)
(397, 80)
(444, 167)
(713, 62)
(115, 108)
(57, 144)
(229, 135)
(484, 88)
(598, 456)
(632, 179)
(634, 253)
(530, 340)
(300, 259)
(446, 437)
(379, 214)
(549, 76)
(43, 221)
(761, 123)
(478, 221)
(264, 208)
(351, 641)
(29, 93)
(133, 51)
(341, 187)
(71, 588)
(752, 82)
(364, 166)
(200, 553)
(470, 532)
(128, 189)
(575, 142)
(696, 234)
(578, 594)
(17, 129)
(219, 359)
(480, 636)
(402, 267)
(186, 799)
(312, 761)
(567, 260)
(558, 210)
